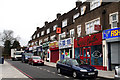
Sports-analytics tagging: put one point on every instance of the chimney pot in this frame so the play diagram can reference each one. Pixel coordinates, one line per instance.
(58, 15)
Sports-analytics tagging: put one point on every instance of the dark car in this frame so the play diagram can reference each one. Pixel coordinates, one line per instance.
(26, 56)
(76, 67)
(36, 60)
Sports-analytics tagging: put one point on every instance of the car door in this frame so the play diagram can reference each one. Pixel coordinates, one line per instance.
(68, 66)
(63, 65)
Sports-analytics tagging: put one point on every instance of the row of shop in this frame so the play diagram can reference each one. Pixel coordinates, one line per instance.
(100, 50)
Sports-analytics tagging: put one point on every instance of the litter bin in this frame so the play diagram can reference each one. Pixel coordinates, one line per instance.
(2, 60)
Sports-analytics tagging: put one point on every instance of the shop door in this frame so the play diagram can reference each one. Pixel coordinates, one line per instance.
(86, 55)
(54, 55)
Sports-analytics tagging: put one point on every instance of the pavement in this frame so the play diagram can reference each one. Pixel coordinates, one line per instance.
(7, 71)
(101, 73)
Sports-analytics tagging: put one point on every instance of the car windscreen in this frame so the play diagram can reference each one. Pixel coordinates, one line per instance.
(78, 62)
(18, 53)
(36, 57)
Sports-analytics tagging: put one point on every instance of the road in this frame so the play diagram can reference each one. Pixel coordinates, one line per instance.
(41, 72)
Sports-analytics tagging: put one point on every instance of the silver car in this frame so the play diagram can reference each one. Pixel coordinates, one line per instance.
(117, 73)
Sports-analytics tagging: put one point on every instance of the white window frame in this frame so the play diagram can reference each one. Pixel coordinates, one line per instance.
(79, 30)
(52, 37)
(64, 23)
(54, 27)
(89, 26)
(75, 16)
(95, 3)
(34, 37)
(111, 19)
(46, 39)
(83, 8)
(72, 33)
(48, 30)
(37, 35)
(42, 33)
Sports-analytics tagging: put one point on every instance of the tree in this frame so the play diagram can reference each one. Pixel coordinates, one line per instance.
(16, 44)
(7, 47)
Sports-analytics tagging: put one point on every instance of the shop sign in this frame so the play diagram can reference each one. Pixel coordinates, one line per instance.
(66, 43)
(96, 54)
(111, 33)
(53, 45)
(45, 44)
(95, 39)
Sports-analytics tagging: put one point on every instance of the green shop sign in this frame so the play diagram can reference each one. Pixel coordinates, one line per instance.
(45, 44)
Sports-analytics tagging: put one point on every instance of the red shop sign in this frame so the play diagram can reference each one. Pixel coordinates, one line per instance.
(95, 39)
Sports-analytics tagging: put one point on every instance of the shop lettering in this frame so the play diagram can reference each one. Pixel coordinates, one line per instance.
(115, 33)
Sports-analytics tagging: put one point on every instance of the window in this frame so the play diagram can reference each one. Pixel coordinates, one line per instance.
(113, 19)
(75, 16)
(95, 3)
(90, 26)
(83, 10)
(40, 41)
(46, 39)
(48, 30)
(52, 37)
(54, 27)
(34, 37)
(38, 35)
(72, 33)
(64, 23)
(79, 30)
(62, 35)
(42, 33)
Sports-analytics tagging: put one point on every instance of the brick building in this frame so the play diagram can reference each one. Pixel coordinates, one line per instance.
(81, 35)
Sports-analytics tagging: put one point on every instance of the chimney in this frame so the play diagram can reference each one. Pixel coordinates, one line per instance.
(46, 22)
(58, 15)
(78, 3)
(37, 28)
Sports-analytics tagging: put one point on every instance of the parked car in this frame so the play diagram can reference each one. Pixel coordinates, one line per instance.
(36, 60)
(26, 56)
(117, 73)
(76, 67)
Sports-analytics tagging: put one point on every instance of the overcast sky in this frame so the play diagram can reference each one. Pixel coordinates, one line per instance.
(23, 16)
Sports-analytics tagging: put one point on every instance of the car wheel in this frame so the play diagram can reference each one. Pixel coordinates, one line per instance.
(59, 70)
(74, 74)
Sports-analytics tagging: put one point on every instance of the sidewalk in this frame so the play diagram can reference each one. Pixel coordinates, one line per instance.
(8, 71)
(101, 73)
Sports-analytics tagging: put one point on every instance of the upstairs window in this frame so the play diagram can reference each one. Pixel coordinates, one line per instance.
(34, 37)
(64, 23)
(48, 30)
(54, 27)
(79, 30)
(42, 33)
(113, 18)
(52, 37)
(83, 10)
(90, 26)
(95, 3)
(61, 36)
(72, 33)
(75, 16)
(37, 35)
(46, 39)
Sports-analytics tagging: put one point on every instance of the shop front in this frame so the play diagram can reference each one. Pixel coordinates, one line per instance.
(111, 47)
(54, 51)
(45, 47)
(89, 49)
(40, 51)
(65, 48)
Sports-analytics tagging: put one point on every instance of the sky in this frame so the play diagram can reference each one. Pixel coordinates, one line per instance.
(23, 16)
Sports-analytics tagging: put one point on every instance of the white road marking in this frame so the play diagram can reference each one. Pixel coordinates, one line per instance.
(66, 76)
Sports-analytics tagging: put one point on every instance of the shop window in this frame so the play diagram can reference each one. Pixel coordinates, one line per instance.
(96, 55)
(113, 18)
